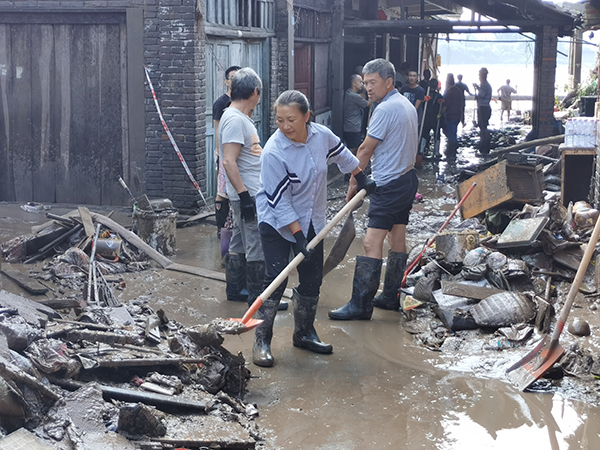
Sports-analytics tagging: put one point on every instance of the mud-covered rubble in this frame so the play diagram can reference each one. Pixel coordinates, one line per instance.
(96, 378)
(82, 370)
(486, 291)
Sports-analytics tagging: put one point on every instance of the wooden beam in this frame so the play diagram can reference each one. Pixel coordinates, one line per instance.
(447, 26)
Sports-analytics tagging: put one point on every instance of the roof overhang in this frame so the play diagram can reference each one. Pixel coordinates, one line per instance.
(507, 16)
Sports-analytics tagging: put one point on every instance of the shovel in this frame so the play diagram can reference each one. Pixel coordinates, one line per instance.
(342, 243)
(539, 360)
(247, 322)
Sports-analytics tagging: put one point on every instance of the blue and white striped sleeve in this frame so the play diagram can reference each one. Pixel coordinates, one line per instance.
(277, 183)
(339, 154)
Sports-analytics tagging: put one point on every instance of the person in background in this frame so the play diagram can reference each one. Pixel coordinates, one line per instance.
(505, 92)
(223, 215)
(483, 95)
(391, 147)
(464, 88)
(354, 106)
(433, 114)
(240, 152)
(291, 205)
(402, 75)
(454, 114)
(221, 199)
(415, 95)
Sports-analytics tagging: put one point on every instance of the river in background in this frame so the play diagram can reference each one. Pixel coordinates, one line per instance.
(521, 76)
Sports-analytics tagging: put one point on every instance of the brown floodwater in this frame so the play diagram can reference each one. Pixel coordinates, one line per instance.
(379, 389)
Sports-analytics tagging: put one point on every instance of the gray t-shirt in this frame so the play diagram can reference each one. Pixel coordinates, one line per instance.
(394, 124)
(353, 111)
(236, 127)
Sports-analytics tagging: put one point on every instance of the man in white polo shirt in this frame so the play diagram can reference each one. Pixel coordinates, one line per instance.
(391, 146)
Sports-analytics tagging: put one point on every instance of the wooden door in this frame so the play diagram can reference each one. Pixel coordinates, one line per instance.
(63, 134)
(303, 69)
(221, 54)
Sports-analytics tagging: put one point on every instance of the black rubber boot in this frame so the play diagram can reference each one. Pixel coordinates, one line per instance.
(235, 276)
(305, 335)
(364, 288)
(388, 299)
(261, 350)
(255, 276)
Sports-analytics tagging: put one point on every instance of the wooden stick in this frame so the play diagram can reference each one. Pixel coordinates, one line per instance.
(528, 144)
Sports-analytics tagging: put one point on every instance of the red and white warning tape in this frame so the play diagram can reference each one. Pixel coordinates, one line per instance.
(175, 146)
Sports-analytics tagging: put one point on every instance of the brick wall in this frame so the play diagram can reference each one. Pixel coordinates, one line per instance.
(177, 68)
(176, 62)
(546, 45)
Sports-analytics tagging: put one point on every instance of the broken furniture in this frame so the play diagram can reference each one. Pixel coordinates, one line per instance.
(577, 173)
(502, 183)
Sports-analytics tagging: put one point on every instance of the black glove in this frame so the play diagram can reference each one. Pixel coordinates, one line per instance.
(365, 183)
(300, 244)
(247, 207)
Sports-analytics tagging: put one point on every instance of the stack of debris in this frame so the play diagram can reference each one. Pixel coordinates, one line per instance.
(505, 284)
(83, 371)
(127, 367)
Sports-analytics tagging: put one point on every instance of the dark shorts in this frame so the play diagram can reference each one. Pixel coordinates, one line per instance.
(391, 203)
(352, 139)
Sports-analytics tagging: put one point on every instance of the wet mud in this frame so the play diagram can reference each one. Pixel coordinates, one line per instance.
(381, 388)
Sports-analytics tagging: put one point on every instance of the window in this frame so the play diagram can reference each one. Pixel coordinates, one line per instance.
(241, 13)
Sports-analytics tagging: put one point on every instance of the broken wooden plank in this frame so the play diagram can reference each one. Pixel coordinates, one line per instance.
(47, 249)
(129, 395)
(91, 326)
(144, 362)
(37, 228)
(12, 372)
(468, 290)
(30, 310)
(196, 218)
(100, 336)
(31, 285)
(60, 303)
(205, 273)
(86, 219)
(203, 443)
(529, 144)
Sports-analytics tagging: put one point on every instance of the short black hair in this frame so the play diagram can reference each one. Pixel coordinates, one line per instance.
(231, 69)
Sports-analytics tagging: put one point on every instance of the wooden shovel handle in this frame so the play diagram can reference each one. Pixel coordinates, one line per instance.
(300, 256)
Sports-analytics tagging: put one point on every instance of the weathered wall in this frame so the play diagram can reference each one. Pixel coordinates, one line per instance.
(174, 54)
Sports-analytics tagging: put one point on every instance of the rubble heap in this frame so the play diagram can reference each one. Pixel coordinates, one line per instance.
(84, 371)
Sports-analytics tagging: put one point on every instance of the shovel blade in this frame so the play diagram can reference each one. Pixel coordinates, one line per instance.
(249, 325)
(341, 245)
(535, 364)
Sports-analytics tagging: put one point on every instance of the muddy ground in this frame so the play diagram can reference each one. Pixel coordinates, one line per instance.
(380, 389)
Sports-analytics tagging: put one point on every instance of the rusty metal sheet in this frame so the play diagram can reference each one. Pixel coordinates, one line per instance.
(522, 232)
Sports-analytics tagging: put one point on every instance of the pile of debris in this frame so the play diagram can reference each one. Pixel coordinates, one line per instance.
(83, 371)
(504, 281)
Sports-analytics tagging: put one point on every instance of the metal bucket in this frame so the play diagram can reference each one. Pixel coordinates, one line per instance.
(157, 229)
